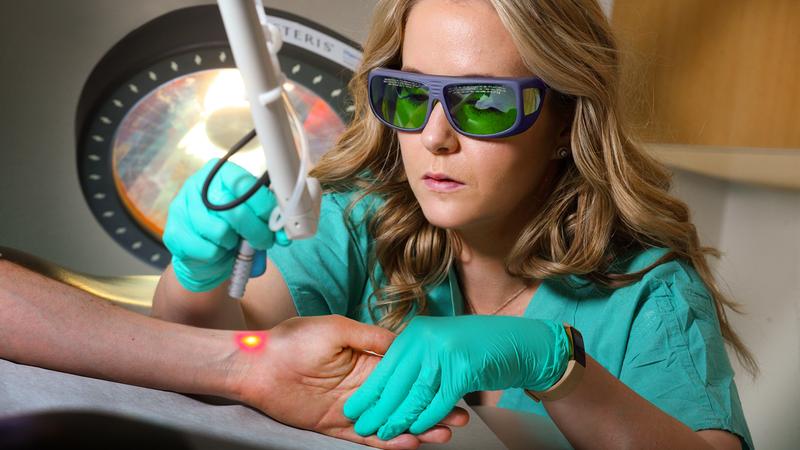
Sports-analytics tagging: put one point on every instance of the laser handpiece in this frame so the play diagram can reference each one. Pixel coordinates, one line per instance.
(277, 127)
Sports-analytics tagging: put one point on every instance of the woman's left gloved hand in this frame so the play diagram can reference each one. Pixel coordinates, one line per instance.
(437, 360)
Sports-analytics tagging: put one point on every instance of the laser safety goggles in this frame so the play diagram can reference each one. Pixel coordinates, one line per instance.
(474, 106)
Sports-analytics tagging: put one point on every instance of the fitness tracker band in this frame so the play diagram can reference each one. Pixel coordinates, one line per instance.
(572, 376)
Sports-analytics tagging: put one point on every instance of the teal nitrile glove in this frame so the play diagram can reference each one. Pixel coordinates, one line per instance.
(204, 243)
(437, 360)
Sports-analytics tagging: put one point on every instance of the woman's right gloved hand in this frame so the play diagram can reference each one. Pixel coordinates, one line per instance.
(204, 243)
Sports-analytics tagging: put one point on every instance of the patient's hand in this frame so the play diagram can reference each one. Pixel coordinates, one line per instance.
(307, 370)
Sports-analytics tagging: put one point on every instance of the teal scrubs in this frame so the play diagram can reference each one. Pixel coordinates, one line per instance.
(660, 336)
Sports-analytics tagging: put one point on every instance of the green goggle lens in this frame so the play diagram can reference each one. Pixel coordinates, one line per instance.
(402, 103)
(482, 109)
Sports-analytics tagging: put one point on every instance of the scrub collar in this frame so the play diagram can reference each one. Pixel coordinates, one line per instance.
(445, 299)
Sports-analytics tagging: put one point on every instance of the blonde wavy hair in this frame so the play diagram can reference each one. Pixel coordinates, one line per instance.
(610, 198)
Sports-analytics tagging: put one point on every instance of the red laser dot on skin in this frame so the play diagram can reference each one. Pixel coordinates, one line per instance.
(251, 341)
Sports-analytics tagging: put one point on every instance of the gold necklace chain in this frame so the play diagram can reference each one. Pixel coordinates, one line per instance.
(499, 308)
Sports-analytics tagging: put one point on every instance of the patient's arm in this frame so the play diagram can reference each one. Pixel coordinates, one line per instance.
(49, 324)
(302, 379)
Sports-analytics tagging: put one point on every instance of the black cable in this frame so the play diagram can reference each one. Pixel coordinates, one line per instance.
(263, 181)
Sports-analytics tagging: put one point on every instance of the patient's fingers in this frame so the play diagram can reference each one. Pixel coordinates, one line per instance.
(436, 435)
(401, 442)
(458, 417)
(361, 336)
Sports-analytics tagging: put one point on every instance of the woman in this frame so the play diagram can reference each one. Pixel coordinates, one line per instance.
(486, 173)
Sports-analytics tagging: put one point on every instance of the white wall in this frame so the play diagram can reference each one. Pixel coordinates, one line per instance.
(758, 231)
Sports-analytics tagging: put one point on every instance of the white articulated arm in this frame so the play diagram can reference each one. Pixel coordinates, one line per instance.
(255, 44)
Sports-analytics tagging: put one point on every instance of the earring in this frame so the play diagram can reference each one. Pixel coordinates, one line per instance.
(562, 153)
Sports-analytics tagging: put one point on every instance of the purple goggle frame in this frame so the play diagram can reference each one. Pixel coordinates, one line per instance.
(529, 93)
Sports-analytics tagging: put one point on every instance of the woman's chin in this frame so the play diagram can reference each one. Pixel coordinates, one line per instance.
(447, 211)
(444, 218)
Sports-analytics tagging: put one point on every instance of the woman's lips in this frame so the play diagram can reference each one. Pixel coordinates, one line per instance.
(441, 183)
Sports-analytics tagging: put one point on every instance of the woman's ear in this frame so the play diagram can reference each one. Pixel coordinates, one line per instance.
(563, 149)
(564, 135)
(565, 110)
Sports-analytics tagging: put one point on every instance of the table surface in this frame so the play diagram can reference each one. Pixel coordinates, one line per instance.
(209, 422)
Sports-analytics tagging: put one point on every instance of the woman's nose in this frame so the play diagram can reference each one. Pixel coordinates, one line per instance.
(438, 136)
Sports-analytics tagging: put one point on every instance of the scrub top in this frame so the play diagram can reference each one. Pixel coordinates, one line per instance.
(660, 336)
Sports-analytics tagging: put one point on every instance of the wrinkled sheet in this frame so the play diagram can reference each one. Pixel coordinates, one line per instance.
(26, 389)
